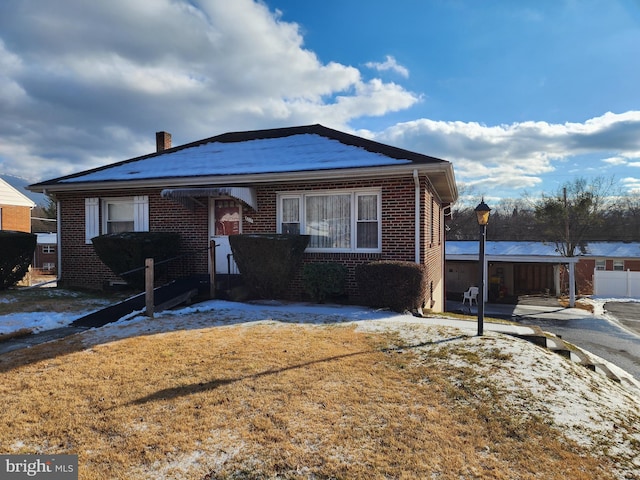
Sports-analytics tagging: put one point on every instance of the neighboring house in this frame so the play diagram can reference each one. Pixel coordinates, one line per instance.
(15, 209)
(516, 268)
(359, 200)
(45, 258)
(606, 256)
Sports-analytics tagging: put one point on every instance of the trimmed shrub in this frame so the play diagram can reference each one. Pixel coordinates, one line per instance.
(16, 254)
(126, 251)
(399, 286)
(268, 262)
(324, 280)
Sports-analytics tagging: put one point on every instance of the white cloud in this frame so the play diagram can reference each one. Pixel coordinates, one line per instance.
(391, 64)
(73, 71)
(616, 161)
(84, 84)
(515, 155)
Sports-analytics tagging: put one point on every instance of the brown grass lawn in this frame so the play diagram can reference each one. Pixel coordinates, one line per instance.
(286, 401)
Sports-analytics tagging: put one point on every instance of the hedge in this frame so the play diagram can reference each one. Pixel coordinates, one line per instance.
(400, 286)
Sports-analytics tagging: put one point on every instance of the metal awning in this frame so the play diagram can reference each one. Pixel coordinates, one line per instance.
(187, 196)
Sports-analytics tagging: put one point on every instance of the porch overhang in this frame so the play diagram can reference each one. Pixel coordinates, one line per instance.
(188, 196)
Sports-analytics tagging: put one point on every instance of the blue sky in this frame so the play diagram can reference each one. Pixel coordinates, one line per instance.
(519, 96)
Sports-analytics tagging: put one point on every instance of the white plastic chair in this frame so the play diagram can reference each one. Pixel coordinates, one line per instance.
(471, 295)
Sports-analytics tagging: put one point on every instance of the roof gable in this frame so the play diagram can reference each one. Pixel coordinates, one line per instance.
(10, 196)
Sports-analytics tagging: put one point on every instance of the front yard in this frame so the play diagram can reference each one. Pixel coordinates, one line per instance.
(221, 393)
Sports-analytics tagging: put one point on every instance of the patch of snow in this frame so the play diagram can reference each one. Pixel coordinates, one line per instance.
(35, 321)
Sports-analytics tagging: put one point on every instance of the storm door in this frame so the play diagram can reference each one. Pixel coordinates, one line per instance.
(225, 217)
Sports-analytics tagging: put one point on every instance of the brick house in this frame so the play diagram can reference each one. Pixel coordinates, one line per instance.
(45, 257)
(359, 200)
(15, 209)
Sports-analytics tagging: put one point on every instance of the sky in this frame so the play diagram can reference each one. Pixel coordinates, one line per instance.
(521, 97)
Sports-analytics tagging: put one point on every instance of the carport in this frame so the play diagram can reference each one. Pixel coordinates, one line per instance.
(512, 268)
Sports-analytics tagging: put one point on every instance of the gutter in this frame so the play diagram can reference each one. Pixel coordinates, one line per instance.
(443, 172)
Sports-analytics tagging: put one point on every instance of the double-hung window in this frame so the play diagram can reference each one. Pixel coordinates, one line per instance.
(335, 220)
(118, 216)
(115, 215)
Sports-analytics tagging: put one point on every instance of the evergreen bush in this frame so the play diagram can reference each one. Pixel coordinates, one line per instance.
(126, 251)
(324, 280)
(400, 286)
(16, 254)
(268, 262)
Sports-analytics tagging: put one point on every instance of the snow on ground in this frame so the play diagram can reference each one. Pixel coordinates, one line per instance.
(588, 407)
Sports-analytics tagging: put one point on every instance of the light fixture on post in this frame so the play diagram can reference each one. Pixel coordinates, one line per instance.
(482, 213)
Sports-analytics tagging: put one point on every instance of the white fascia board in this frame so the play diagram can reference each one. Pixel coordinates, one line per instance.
(514, 258)
(257, 178)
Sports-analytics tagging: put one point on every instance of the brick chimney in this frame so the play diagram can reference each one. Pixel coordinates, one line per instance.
(163, 141)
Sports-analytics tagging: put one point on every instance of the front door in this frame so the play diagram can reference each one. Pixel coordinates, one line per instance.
(225, 219)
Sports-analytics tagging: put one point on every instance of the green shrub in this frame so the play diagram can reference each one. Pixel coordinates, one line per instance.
(324, 280)
(268, 262)
(399, 286)
(126, 251)
(16, 254)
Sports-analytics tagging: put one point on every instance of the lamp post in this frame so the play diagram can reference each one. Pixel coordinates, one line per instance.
(482, 214)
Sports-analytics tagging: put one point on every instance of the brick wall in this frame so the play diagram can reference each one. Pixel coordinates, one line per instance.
(40, 258)
(16, 218)
(81, 268)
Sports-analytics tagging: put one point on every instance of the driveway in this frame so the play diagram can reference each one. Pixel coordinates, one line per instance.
(615, 340)
(627, 313)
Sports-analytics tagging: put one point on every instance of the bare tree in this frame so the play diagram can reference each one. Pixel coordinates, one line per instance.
(567, 217)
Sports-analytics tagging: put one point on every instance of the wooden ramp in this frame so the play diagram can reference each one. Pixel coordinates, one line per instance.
(165, 297)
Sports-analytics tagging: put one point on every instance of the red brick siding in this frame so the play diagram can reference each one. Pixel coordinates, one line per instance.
(584, 276)
(432, 247)
(40, 258)
(81, 268)
(633, 265)
(16, 218)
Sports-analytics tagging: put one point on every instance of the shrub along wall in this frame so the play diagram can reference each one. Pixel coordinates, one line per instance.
(399, 286)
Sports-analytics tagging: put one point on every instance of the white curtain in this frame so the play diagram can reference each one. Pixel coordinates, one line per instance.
(367, 235)
(328, 220)
(291, 216)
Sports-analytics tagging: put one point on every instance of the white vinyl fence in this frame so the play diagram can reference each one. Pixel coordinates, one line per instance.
(608, 283)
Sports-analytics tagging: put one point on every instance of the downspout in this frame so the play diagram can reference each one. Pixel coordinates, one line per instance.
(59, 243)
(416, 182)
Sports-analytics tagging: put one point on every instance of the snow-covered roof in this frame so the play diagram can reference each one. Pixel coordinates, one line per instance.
(541, 249)
(502, 248)
(307, 150)
(286, 154)
(11, 196)
(612, 250)
(47, 238)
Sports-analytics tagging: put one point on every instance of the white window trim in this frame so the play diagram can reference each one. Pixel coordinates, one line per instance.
(354, 193)
(94, 207)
